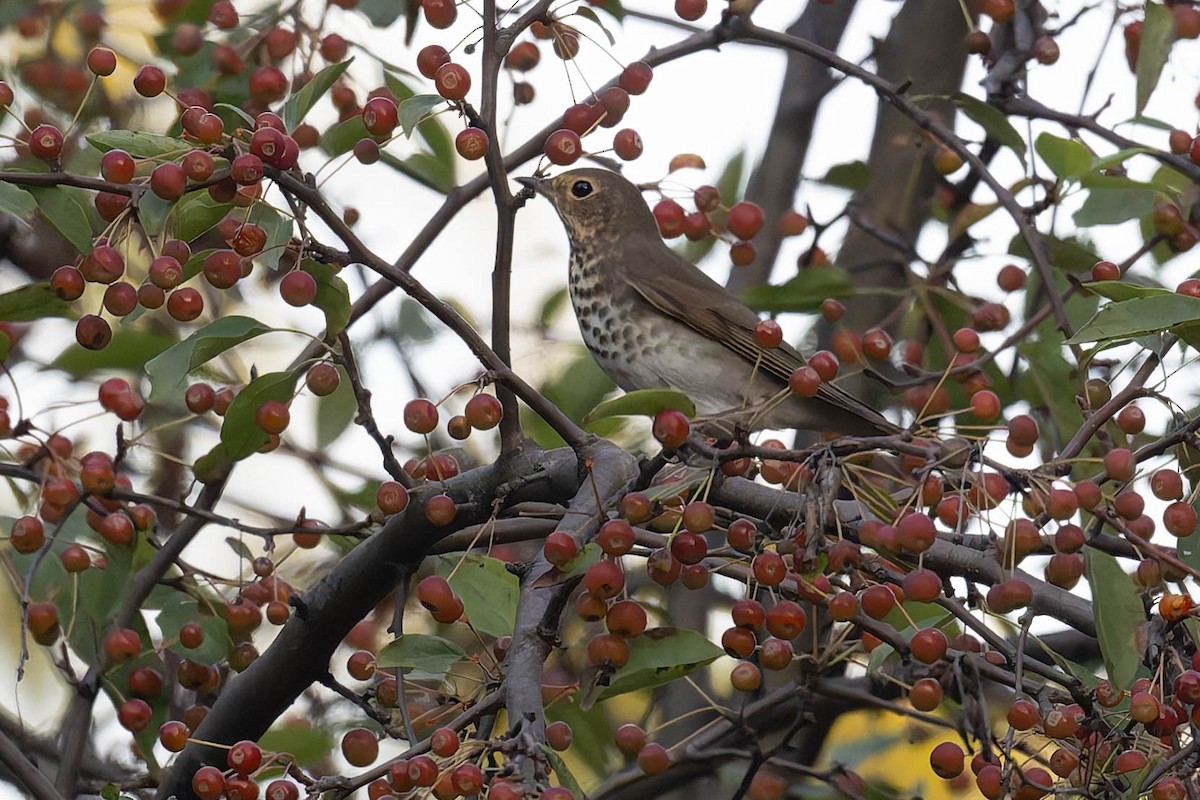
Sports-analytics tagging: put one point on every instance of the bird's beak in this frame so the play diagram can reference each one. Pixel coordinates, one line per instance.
(538, 184)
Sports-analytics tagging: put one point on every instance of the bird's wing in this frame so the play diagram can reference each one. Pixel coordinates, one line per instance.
(723, 317)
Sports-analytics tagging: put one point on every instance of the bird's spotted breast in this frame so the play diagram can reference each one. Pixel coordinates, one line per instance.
(640, 348)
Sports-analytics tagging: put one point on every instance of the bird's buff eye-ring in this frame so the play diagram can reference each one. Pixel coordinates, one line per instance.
(581, 188)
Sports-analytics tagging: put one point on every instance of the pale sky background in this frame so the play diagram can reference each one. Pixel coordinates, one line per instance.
(711, 103)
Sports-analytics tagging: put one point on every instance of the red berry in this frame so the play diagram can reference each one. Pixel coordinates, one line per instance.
(471, 143)
(117, 166)
(92, 332)
(559, 548)
(671, 428)
(452, 81)
(440, 13)
(430, 59)
(168, 181)
(272, 417)
(244, 757)
(46, 142)
(636, 77)
(185, 304)
(690, 10)
(745, 220)
(563, 147)
(380, 116)
(298, 288)
(360, 747)
(627, 144)
(420, 416)
(68, 283)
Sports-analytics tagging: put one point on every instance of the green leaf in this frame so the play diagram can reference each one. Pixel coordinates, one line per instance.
(16, 201)
(333, 296)
(64, 210)
(196, 213)
(237, 112)
(852, 175)
(1188, 547)
(178, 609)
(152, 212)
(382, 13)
(1071, 253)
(424, 168)
(309, 745)
(562, 772)
(130, 349)
(415, 108)
(300, 103)
(33, 301)
(993, 122)
(1118, 612)
(613, 7)
(1047, 373)
(660, 656)
(805, 292)
(487, 589)
(1066, 158)
(1124, 290)
(642, 403)
(277, 227)
(342, 137)
(589, 14)
(430, 128)
(1157, 35)
(1138, 317)
(412, 322)
(1114, 206)
(1117, 158)
(168, 370)
(424, 655)
(335, 412)
(137, 144)
(240, 434)
(729, 182)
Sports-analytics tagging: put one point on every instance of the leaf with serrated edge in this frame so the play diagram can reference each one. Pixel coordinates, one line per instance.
(168, 370)
(1114, 206)
(659, 656)
(429, 655)
(1139, 316)
(300, 103)
(588, 14)
(805, 292)
(33, 301)
(487, 589)
(1118, 612)
(414, 109)
(138, 144)
(335, 412)
(240, 433)
(62, 208)
(333, 296)
(1124, 290)
(195, 213)
(1066, 158)
(993, 122)
(642, 403)
(1154, 47)
(16, 202)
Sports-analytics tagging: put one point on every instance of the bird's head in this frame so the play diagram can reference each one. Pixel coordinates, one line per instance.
(596, 202)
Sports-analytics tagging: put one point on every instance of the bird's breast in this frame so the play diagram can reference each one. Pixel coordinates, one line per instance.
(640, 347)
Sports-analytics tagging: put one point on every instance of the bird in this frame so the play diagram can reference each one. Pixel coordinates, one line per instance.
(653, 320)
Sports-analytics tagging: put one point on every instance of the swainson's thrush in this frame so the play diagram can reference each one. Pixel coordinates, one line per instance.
(652, 320)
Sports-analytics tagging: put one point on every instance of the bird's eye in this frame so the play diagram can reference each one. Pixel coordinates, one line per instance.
(581, 188)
